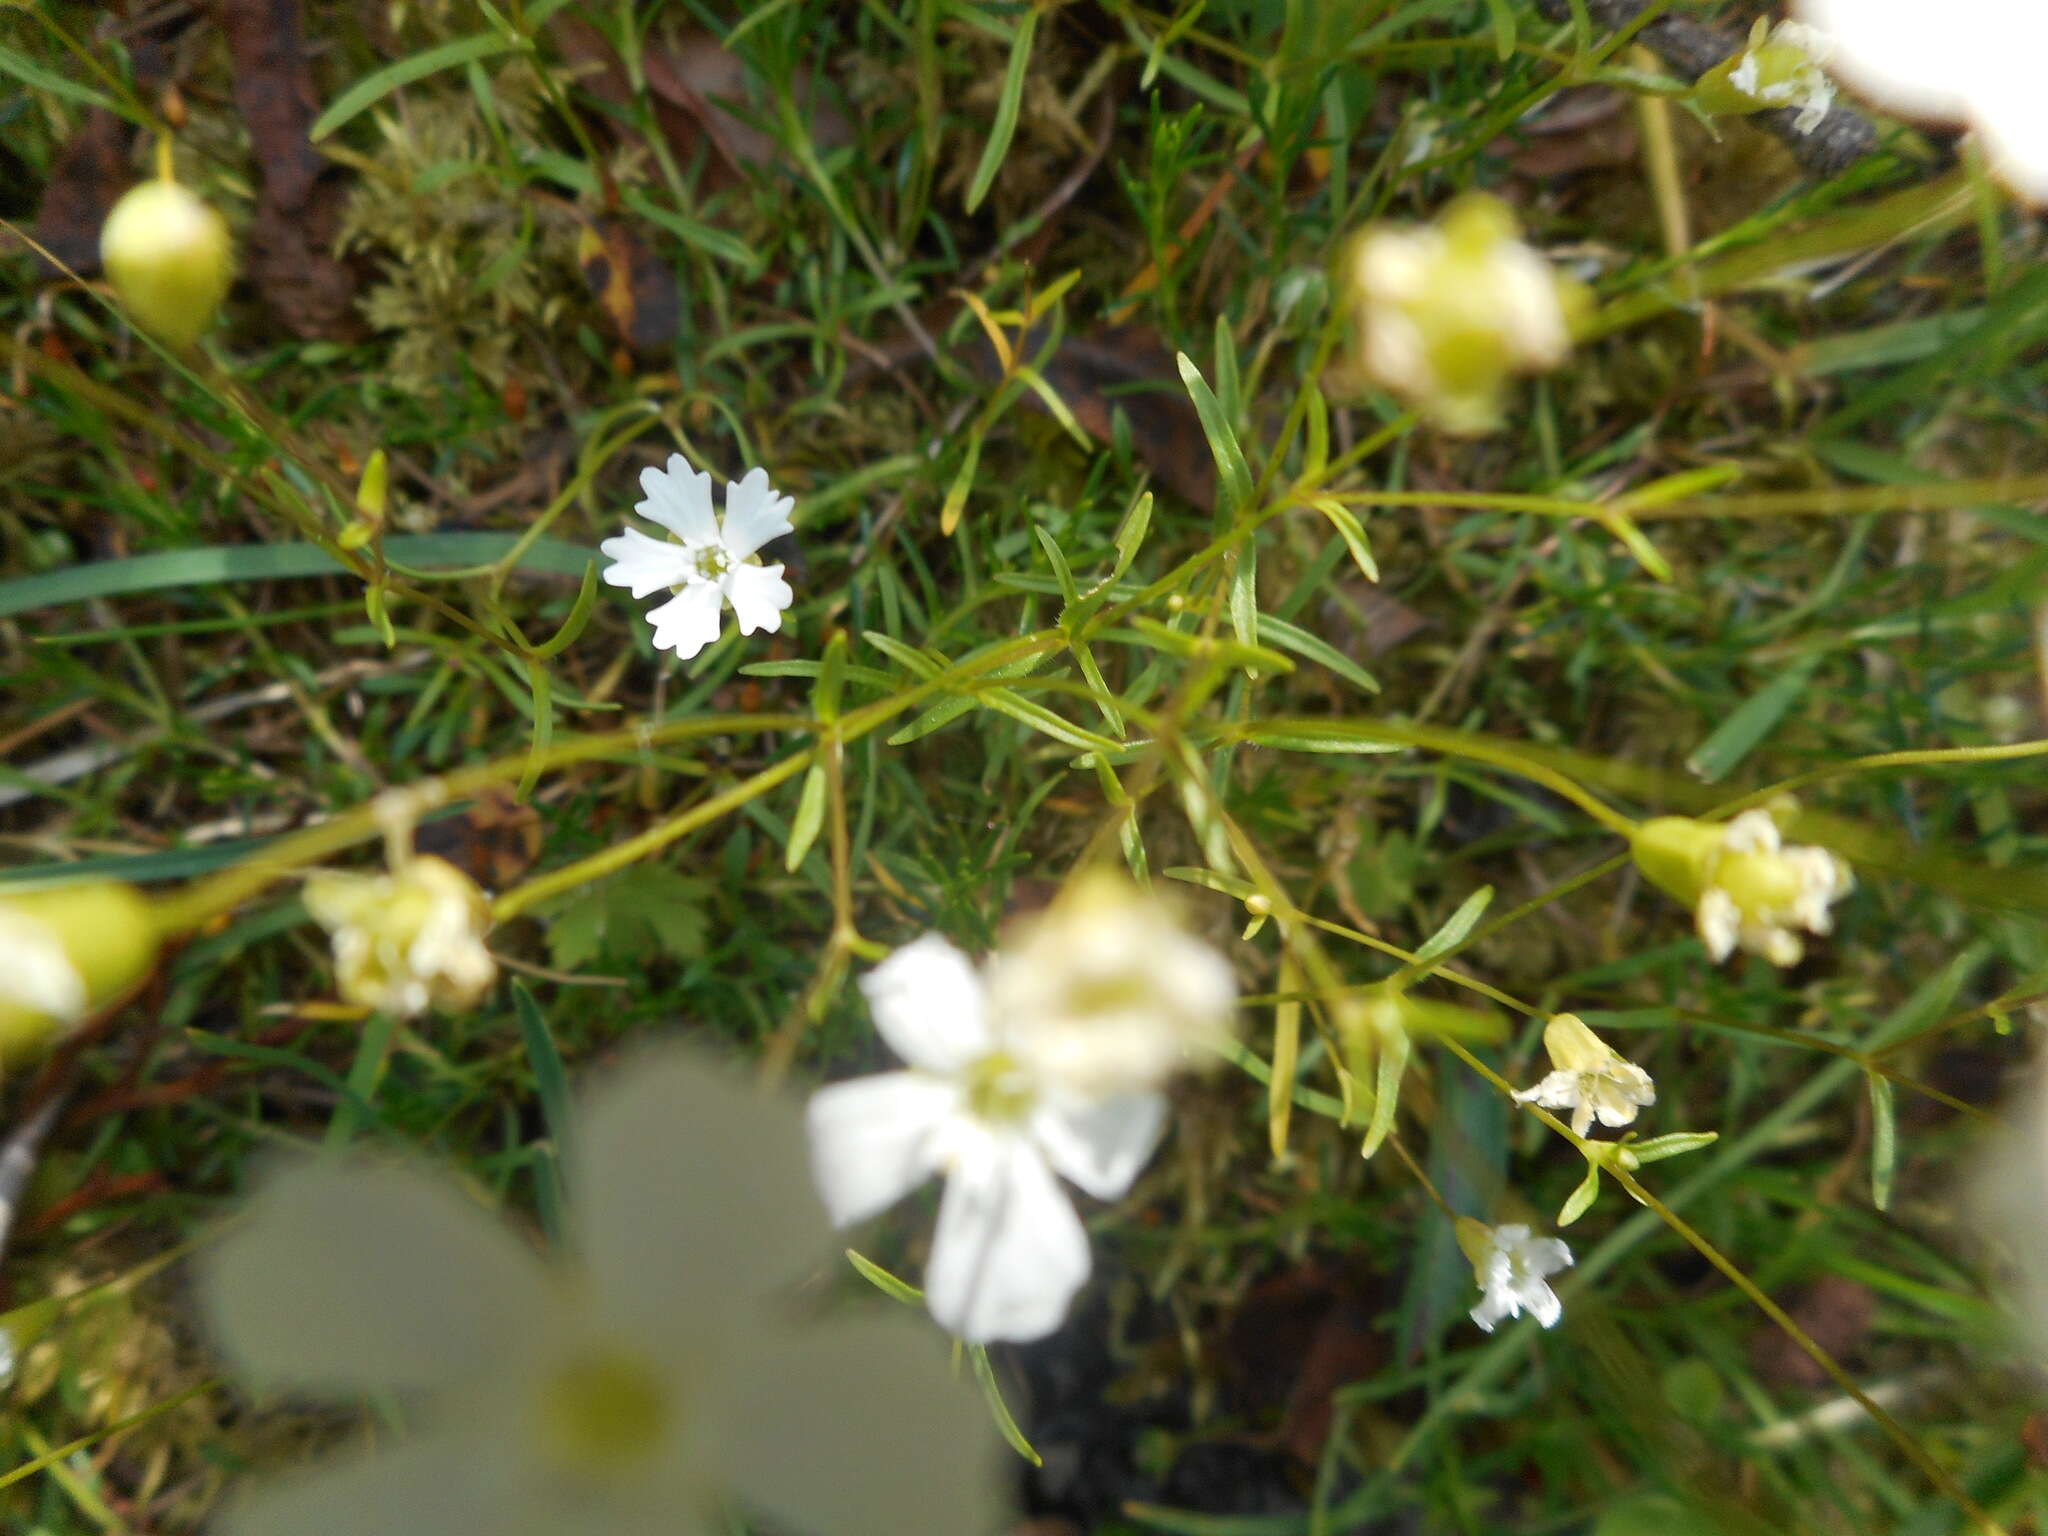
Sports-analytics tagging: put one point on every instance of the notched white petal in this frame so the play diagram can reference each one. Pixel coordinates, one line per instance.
(680, 500)
(874, 1140)
(643, 565)
(1009, 1253)
(1102, 1144)
(687, 622)
(754, 513)
(758, 595)
(930, 1006)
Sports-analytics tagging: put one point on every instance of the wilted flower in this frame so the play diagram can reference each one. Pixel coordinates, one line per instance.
(628, 1389)
(1443, 316)
(1589, 1078)
(1104, 992)
(1511, 1267)
(64, 951)
(169, 257)
(1002, 1099)
(1744, 885)
(407, 941)
(706, 564)
(1969, 61)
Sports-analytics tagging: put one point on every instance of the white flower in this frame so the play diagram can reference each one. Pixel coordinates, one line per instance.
(1104, 992)
(1009, 1252)
(1966, 61)
(1510, 1266)
(629, 1396)
(36, 974)
(407, 941)
(707, 564)
(1591, 1078)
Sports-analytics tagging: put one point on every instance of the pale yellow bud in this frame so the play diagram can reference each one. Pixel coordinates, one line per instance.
(169, 258)
(64, 952)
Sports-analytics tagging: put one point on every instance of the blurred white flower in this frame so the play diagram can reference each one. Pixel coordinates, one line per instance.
(978, 1106)
(706, 564)
(1104, 992)
(1746, 887)
(1511, 1267)
(1968, 61)
(1444, 314)
(1590, 1078)
(406, 941)
(36, 974)
(630, 1395)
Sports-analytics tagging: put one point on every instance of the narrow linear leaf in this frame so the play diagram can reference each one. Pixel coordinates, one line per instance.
(1005, 1422)
(373, 88)
(1352, 532)
(1884, 1139)
(1234, 476)
(883, 1281)
(1452, 934)
(551, 1085)
(1751, 721)
(1286, 1056)
(810, 816)
(1005, 125)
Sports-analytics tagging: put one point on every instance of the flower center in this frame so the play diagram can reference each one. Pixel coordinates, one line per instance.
(999, 1092)
(603, 1412)
(712, 562)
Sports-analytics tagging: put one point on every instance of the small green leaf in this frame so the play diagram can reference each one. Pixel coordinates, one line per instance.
(1005, 125)
(1884, 1139)
(1244, 595)
(1005, 1423)
(810, 816)
(883, 1281)
(1130, 534)
(551, 1085)
(1392, 1050)
(1452, 934)
(1056, 558)
(373, 88)
(1581, 1199)
(1352, 532)
(1234, 476)
(1751, 721)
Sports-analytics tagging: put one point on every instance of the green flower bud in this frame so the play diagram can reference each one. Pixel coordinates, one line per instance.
(1780, 67)
(65, 952)
(169, 258)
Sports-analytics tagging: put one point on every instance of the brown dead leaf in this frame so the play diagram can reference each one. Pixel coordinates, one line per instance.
(699, 90)
(1835, 1312)
(90, 173)
(290, 241)
(1127, 369)
(1294, 1341)
(636, 290)
(494, 842)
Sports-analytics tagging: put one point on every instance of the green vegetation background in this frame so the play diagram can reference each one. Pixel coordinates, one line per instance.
(535, 252)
